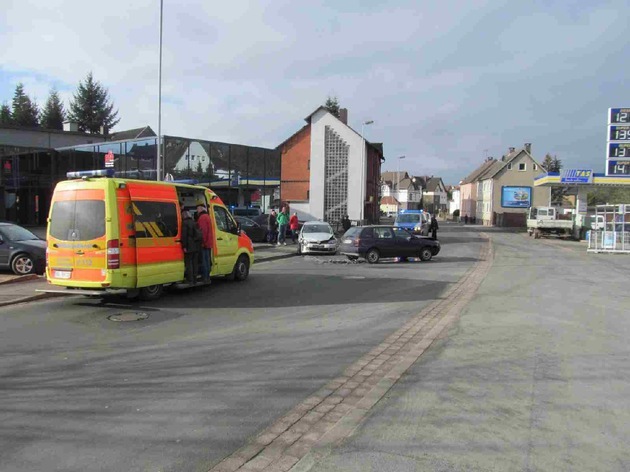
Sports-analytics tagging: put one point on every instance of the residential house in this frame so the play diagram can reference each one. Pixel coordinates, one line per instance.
(328, 170)
(505, 189)
(468, 192)
(434, 194)
(405, 189)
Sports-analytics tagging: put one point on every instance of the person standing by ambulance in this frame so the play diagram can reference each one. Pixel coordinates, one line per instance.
(294, 226)
(205, 225)
(191, 244)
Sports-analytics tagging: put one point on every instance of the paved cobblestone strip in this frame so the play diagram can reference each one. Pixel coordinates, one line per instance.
(332, 413)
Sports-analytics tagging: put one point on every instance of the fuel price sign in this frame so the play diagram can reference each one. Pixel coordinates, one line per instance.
(618, 116)
(618, 133)
(617, 150)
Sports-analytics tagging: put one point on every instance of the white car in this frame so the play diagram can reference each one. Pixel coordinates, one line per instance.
(317, 237)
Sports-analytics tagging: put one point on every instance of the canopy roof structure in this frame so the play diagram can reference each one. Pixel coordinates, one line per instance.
(555, 179)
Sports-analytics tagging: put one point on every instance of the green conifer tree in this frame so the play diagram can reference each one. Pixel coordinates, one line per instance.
(53, 114)
(91, 107)
(25, 112)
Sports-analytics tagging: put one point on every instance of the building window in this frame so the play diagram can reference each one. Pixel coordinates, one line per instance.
(522, 167)
(535, 166)
(336, 152)
(308, 164)
(510, 166)
(308, 194)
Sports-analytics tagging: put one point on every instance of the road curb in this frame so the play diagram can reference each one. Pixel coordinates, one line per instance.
(32, 298)
(18, 279)
(274, 258)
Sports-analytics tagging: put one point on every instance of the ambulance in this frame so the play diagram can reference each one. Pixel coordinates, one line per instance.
(110, 235)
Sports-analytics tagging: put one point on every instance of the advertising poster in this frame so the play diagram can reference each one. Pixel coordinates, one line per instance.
(516, 197)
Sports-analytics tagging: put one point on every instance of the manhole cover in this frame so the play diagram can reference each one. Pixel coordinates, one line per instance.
(129, 316)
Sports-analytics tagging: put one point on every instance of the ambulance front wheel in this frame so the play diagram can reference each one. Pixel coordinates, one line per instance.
(241, 268)
(152, 292)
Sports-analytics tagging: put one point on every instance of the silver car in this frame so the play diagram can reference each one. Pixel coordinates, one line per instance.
(316, 237)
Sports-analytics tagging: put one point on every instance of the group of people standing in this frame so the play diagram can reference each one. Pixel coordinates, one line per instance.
(197, 245)
(277, 224)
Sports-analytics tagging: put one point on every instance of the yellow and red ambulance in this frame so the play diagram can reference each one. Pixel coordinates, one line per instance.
(110, 235)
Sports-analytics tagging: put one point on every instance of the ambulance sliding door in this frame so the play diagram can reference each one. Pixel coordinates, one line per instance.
(159, 254)
(226, 241)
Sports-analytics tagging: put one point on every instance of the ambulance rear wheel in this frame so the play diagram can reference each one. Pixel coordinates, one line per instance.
(241, 269)
(152, 292)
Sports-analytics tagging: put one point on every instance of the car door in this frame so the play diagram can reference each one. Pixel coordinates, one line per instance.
(404, 245)
(226, 240)
(385, 241)
(5, 252)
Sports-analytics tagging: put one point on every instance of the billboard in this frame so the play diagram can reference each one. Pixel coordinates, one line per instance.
(516, 197)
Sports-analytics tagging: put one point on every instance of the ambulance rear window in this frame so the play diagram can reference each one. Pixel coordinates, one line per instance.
(78, 220)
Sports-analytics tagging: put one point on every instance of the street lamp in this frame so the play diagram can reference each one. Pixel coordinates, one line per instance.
(398, 183)
(363, 169)
(158, 162)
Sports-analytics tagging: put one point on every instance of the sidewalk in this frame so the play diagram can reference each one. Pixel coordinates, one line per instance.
(21, 289)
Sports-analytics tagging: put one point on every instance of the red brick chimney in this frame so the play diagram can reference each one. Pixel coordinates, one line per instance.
(343, 115)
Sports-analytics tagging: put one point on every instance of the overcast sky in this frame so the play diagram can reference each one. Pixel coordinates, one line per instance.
(446, 83)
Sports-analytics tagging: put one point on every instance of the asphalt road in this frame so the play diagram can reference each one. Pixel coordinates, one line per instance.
(207, 370)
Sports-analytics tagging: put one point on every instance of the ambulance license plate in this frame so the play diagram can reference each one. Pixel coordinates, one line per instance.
(61, 274)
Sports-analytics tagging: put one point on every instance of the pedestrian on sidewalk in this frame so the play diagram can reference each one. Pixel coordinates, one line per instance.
(191, 244)
(283, 222)
(205, 225)
(345, 223)
(433, 227)
(294, 225)
(272, 226)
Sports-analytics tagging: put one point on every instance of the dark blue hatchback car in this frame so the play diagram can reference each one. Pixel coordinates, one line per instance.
(376, 242)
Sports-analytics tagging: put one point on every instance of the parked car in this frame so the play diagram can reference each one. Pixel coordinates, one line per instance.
(317, 237)
(21, 251)
(380, 241)
(255, 231)
(247, 212)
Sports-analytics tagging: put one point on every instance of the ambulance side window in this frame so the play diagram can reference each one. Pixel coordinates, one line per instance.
(224, 222)
(155, 219)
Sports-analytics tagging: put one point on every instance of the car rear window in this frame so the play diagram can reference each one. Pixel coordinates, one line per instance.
(78, 220)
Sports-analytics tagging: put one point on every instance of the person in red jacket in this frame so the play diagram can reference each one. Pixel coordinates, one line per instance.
(205, 225)
(294, 226)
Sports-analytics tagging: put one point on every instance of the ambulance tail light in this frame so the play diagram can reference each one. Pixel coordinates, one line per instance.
(113, 254)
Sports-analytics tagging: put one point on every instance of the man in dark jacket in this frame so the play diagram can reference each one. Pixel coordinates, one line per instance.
(205, 225)
(191, 246)
(272, 226)
(433, 227)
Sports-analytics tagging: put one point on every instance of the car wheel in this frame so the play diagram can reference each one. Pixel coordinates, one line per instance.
(241, 269)
(426, 254)
(352, 258)
(22, 264)
(373, 256)
(152, 292)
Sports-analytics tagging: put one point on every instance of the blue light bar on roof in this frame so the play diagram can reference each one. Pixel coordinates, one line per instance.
(90, 173)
